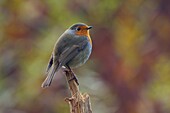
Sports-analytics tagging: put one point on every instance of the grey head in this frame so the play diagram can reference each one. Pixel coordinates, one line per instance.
(78, 27)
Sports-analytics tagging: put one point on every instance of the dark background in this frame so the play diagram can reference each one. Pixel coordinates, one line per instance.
(128, 71)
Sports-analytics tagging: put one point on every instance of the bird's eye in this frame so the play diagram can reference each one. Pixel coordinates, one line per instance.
(78, 29)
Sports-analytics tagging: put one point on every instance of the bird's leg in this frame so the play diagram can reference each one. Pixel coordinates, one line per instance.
(74, 78)
(74, 75)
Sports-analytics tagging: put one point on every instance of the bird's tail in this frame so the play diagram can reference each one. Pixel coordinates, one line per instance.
(49, 78)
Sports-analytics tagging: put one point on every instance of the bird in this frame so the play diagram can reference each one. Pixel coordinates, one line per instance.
(71, 50)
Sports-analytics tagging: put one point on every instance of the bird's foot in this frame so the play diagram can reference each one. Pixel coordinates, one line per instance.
(74, 78)
(66, 70)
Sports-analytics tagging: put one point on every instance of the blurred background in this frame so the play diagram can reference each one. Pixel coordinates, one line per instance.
(128, 71)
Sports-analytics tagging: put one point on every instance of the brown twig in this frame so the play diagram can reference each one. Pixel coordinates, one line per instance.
(79, 103)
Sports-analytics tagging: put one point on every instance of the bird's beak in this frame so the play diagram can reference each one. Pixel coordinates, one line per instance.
(89, 27)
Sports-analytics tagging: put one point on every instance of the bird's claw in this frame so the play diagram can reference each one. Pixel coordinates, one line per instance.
(74, 78)
(66, 70)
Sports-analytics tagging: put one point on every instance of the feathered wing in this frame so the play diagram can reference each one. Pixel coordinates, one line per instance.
(64, 58)
(57, 62)
(50, 63)
(70, 53)
(51, 69)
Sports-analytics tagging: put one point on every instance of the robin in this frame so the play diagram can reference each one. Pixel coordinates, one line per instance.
(72, 49)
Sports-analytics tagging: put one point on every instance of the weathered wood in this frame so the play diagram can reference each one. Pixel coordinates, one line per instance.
(78, 102)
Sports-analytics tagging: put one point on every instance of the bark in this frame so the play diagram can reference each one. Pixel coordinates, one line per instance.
(78, 102)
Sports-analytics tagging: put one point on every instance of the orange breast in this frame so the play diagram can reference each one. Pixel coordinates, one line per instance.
(84, 32)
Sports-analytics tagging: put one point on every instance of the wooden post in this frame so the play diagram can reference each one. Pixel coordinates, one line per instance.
(79, 103)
